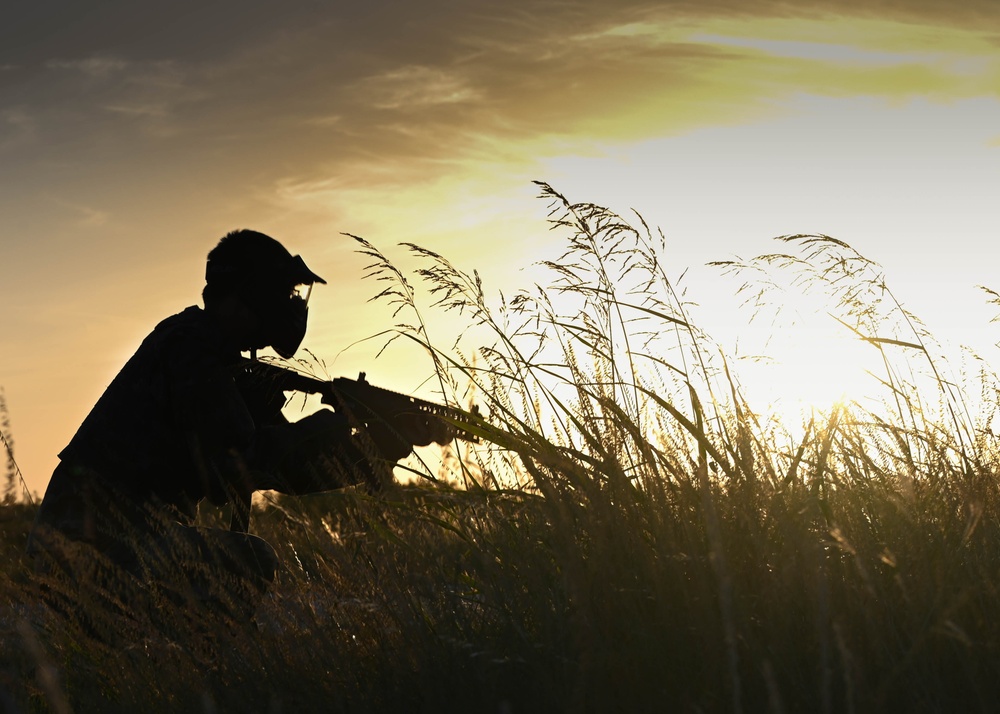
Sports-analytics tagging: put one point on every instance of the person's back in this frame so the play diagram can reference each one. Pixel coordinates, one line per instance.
(177, 385)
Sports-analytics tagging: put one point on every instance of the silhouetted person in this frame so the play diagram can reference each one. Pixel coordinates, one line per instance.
(181, 423)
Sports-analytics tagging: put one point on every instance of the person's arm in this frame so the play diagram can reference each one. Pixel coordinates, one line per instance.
(212, 418)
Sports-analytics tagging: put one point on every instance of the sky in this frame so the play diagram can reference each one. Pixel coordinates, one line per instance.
(133, 135)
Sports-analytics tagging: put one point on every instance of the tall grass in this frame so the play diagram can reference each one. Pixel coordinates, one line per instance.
(12, 474)
(630, 534)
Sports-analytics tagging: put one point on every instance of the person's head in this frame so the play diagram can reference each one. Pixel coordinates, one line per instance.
(267, 283)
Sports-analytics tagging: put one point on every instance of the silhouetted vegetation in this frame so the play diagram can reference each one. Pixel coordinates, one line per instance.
(11, 472)
(630, 535)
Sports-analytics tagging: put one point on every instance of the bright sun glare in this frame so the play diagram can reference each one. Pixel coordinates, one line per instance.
(810, 371)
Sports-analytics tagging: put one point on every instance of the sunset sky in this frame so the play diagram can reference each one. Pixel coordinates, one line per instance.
(133, 135)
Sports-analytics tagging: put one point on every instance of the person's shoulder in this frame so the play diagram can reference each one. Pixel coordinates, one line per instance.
(191, 320)
(189, 316)
(189, 330)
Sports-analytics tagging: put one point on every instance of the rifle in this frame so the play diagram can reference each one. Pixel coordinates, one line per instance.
(414, 420)
(394, 422)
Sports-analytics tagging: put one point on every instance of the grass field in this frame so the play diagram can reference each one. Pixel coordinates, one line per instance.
(630, 535)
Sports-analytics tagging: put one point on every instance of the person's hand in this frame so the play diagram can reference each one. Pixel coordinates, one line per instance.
(389, 442)
(396, 439)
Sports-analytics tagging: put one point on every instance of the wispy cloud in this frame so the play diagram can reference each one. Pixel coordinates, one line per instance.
(415, 86)
(18, 128)
(313, 192)
(155, 110)
(82, 215)
(92, 217)
(387, 94)
(326, 121)
(958, 54)
(820, 51)
(511, 89)
(149, 95)
(99, 67)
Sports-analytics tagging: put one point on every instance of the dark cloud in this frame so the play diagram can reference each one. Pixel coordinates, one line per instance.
(267, 90)
(36, 32)
(254, 92)
(207, 30)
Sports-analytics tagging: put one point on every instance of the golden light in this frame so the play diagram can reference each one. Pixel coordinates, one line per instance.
(811, 370)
